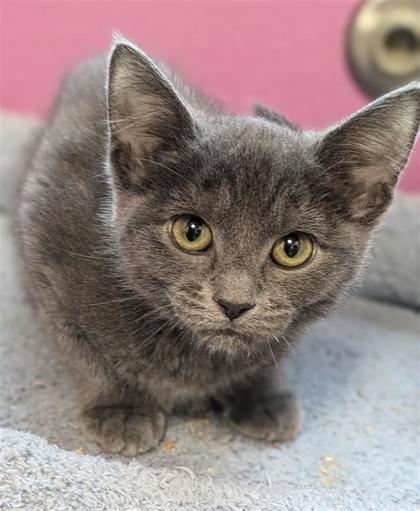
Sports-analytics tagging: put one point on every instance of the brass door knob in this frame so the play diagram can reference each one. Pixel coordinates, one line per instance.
(383, 44)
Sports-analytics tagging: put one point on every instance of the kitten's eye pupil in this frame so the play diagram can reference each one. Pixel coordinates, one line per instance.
(292, 245)
(193, 229)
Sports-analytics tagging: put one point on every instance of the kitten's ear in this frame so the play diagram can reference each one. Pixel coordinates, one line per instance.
(365, 154)
(273, 116)
(145, 113)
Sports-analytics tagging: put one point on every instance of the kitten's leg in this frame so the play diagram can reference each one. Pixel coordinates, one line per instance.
(119, 417)
(259, 408)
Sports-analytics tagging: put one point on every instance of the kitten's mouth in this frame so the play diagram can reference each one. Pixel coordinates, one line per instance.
(228, 332)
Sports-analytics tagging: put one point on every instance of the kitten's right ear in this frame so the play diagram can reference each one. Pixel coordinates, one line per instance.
(273, 116)
(364, 155)
(145, 113)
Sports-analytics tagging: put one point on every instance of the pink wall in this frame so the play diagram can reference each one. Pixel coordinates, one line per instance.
(286, 53)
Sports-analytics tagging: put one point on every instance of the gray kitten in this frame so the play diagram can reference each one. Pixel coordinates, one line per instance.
(176, 252)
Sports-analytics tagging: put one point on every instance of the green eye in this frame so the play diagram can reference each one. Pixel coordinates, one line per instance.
(292, 250)
(191, 233)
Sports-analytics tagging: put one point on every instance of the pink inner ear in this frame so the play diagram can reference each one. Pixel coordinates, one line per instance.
(370, 205)
(368, 177)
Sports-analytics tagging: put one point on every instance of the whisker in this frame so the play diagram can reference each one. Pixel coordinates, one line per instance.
(154, 317)
(120, 300)
(272, 353)
(161, 327)
(70, 252)
(276, 339)
(287, 342)
(152, 312)
(163, 166)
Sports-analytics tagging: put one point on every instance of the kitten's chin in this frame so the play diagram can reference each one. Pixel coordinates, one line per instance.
(226, 341)
(232, 343)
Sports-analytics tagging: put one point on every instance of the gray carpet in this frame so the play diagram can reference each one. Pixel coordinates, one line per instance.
(356, 375)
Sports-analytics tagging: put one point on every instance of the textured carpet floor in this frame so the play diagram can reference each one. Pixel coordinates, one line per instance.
(357, 378)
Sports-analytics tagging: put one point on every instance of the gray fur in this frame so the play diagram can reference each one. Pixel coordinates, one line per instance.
(137, 316)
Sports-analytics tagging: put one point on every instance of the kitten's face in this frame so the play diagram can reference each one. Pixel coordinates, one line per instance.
(250, 183)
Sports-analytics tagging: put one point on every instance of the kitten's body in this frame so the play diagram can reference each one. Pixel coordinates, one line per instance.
(97, 304)
(136, 315)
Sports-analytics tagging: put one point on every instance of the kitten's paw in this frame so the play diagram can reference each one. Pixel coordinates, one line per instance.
(275, 419)
(124, 429)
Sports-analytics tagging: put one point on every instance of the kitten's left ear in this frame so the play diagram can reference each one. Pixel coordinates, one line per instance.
(146, 115)
(364, 155)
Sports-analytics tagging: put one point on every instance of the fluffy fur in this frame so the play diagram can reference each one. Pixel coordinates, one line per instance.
(138, 317)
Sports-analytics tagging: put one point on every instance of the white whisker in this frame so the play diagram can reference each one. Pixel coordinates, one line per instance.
(272, 353)
(163, 166)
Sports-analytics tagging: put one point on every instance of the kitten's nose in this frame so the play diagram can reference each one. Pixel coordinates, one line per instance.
(234, 310)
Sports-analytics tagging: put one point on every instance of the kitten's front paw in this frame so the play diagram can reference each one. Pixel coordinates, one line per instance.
(124, 429)
(276, 419)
